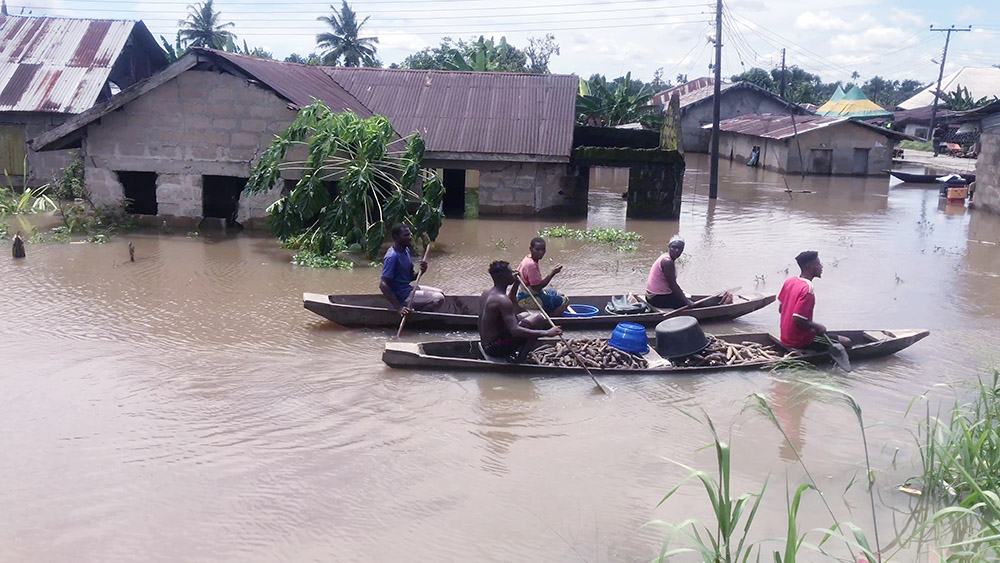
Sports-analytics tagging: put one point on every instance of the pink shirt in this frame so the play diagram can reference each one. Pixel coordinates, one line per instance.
(531, 274)
(656, 283)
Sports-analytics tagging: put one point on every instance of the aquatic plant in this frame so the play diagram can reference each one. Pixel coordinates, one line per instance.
(315, 260)
(376, 173)
(624, 240)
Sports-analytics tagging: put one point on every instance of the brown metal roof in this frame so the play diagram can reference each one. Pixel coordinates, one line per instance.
(702, 89)
(58, 64)
(781, 126)
(296, 83)
(472, 112)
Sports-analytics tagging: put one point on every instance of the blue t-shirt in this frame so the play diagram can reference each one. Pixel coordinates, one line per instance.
(397, 271)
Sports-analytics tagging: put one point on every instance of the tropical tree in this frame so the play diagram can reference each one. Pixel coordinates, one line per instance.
(539, 51)
(203, 27)
(758, 77)
(962, 100)
(376, 174)
(618, 103)
(486, 56)
(343, 40)
(175, 51)
(310, 59)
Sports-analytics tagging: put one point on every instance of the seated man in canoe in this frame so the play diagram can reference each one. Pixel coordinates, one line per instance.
(662, 289)
(398, 272)
(531, 279)
(502, 333)
(796, 302)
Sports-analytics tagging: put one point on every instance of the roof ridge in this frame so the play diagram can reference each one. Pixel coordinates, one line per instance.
(73, 18)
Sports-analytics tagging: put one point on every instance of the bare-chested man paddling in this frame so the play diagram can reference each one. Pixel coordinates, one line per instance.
(502, 332)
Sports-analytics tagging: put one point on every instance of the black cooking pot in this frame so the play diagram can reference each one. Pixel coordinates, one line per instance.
(679, 337)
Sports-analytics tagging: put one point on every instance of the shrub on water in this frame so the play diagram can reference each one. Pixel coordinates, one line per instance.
(624, 240)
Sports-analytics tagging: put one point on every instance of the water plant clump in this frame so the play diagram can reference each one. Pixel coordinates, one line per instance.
(624, 241)
(313, 259)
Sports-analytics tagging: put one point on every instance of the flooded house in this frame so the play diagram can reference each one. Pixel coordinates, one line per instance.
(987, 120)
(736, 98)
(53, 68)
(182, 143)
(816, 144)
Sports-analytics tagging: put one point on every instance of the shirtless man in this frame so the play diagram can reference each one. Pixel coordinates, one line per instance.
(796, 302)
(502, 332)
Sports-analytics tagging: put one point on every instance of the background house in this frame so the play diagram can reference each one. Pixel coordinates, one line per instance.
(981, 82)
(53, 68)
(828, 145)
(182, 143)
(736, 98)
(988, 164)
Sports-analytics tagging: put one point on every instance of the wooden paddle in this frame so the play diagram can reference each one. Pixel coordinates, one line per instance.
(413, 292)
(838, 353)
(606, 390)
(695, 304)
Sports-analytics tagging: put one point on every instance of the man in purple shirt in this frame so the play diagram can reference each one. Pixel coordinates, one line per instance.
(398, 272)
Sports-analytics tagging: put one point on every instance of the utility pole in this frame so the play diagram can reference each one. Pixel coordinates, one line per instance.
(937, 91)
(713, 175)
(781, 89)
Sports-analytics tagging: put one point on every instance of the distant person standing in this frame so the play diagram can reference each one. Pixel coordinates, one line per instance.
(797, 300)
(937, 137)
(531, 280)
(18, 248)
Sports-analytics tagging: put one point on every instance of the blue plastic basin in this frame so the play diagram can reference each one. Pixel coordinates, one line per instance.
(581, 311)
(629, 337)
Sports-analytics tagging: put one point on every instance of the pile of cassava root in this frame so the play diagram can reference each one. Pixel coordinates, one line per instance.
(594, 352)
(722, 353)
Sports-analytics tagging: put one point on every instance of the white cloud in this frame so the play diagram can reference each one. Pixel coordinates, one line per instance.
(969, 14)
(822, 20)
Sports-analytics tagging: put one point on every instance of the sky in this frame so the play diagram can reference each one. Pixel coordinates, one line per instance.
(832, 38)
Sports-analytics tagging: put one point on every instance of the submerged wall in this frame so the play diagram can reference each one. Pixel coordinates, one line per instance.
(988, 173)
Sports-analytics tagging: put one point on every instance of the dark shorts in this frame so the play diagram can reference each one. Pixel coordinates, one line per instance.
(503, 347)
(669, 301)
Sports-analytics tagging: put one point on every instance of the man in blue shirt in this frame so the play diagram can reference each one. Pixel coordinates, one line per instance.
(398, 272)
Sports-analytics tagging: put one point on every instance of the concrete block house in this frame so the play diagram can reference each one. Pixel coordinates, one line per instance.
(54, 68)
(183, 142)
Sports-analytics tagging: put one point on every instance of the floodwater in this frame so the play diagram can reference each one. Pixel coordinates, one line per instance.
(185, 407)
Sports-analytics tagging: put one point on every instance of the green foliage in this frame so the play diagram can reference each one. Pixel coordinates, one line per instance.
(311, 59)
(69, 183)
(962, 100)
(317, 260)
(624, 240)
(259, 52)
(28, 200)
(203, 27)
(486, 55)
(343, 41)
(917, 145)
(175, 51)
(193, 234)
(375, 177)
(603, 104)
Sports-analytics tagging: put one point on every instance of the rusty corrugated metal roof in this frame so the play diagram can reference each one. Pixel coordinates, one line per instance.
(57, 64)
(297, 83)
(781, 126)
(689, 92)
(472, 112)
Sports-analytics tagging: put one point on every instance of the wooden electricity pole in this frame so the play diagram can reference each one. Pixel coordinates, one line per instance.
(713, 175)
(937, 91)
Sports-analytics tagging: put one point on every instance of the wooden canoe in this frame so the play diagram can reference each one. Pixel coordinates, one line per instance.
(462, 311)
(465, 354)
(911, 178)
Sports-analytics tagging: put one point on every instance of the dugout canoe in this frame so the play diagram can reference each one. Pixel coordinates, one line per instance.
(462, 311)
(910, 178)
(466, 354)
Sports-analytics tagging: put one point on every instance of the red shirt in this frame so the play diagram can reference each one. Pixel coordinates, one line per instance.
(531, 274)
(797, 300)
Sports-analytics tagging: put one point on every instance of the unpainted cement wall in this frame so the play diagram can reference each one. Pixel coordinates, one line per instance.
(988, 173)
(526, 188)
(200, 123)
(843, 139)
(773, 153)
(734, 103)
(42, 166)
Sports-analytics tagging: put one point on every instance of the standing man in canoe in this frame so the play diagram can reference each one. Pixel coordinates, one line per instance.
(398, 272)
(502, 333)
(796, 302)
(531, 280)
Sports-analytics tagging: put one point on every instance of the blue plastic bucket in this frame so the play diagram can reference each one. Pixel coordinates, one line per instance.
(581, 311)
(629, 337)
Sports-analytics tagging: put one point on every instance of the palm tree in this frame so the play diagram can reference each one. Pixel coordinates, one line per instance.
(202, 27)
(344, 42)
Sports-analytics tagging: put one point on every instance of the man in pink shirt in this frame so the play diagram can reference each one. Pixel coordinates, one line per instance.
(531, 280)
(797, 300)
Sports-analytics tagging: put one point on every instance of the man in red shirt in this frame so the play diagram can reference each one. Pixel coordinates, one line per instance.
(796, 303)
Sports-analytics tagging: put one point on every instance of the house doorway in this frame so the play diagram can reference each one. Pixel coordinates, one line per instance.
(607, 196)
(220, 197)
(821, 161)
(453, 203)
(860, 162)
(140, 191)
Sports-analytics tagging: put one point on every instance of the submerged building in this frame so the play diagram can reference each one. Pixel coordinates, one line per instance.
(53, 68)
(183, 142)
(813, 144)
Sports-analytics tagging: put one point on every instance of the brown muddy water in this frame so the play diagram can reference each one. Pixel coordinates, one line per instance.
(185, 407)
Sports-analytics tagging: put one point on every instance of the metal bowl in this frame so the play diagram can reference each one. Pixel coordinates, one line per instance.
(679, 337)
